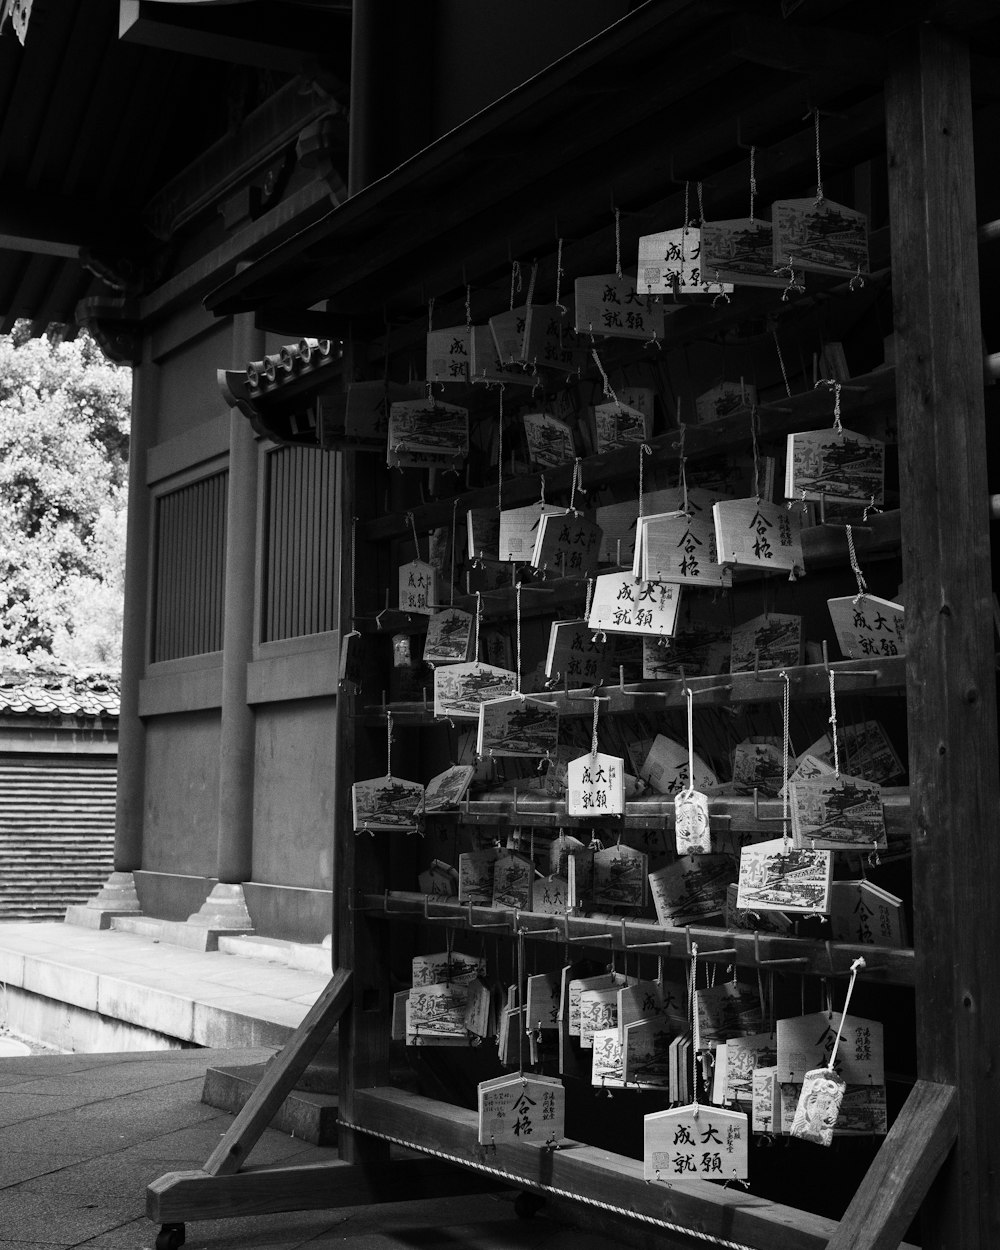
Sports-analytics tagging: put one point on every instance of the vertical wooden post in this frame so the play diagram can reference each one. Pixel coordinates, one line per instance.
(955, 788)
(236, 746)
(359, 867)
(131, 727)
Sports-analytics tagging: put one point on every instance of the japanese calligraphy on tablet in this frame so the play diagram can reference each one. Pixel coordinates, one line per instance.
(566, 545)
(613, 307)
(753, 533)
(695, 1142)
(868, 626)
(670, 264)
(595, 785)
(448, 353)
(621, 605)
(418, 588)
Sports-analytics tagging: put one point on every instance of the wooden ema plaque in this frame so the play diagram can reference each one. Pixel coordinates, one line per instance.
(418, 588)
(529, 1109)
(595, 785)
(695, 1143)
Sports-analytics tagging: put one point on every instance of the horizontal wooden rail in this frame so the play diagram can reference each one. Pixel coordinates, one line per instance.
(589, 1175)
(812, 409)
(613, 932)
(871, 675)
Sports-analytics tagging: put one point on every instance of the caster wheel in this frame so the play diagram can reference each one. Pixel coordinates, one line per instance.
(527, 1204)
(170, 1237)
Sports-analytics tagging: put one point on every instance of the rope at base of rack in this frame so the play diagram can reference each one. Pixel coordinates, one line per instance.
(548, 1189)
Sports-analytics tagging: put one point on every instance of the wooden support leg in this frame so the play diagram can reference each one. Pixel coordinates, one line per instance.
(181, 1196)
(281, 1076)
(897, 1181)
(220, 1188)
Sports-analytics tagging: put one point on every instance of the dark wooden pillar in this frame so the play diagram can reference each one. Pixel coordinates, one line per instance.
(131, 728)
(236, 749)
(955, 789)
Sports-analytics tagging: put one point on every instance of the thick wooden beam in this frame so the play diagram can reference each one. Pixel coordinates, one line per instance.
(281, 1076)
(595, 1176)
(360, 867)
(904, 1169)
(805, 50)
(182, 28)
(181, 1196)
(55, 225)
(951, 672)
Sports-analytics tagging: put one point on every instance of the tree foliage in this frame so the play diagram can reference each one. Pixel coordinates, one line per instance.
(64, 423)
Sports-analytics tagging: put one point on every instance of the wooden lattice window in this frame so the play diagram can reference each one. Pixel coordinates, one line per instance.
(299, 561)
(190, 565)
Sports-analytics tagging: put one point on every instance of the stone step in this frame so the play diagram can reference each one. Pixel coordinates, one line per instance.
(75, 802)
(60, 769)
(57, 840)
(80, 804)
(55, 837)
(59, 895)
(55, 860)
(74, 861)
(59, 776)
(14, 814)
(53, 869)
(308, 1114)
(28, 786)
(91, 868)
(42, 883)
(21, 858)
(53, 842)
(309, 957)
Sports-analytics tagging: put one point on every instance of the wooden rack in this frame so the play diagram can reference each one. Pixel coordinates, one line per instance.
(942, 1139)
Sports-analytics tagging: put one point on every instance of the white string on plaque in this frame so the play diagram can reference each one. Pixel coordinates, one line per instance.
(527, 1109)
(517, 724)
(823, 1088)
(691, 821)
(449, 631)
(865, 624)
(595, 783)
(387, 804)
(695, 1141)
(417, 581)
(837, 813)
(819, 236)
(460, 689)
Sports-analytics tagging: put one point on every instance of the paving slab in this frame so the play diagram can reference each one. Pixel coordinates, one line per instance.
(64, 1218)
(82, 1136)
(29, 1164)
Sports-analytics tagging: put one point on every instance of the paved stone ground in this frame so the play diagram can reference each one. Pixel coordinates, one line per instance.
(81, 1136)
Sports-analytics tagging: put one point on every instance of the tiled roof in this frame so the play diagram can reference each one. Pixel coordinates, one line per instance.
(30, 692)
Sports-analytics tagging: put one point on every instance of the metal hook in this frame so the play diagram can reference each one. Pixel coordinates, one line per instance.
(767, 963)
(759, 816)
(490, 924)
(427, 915)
